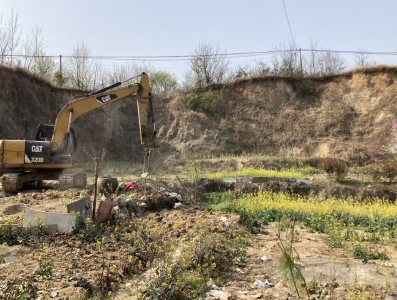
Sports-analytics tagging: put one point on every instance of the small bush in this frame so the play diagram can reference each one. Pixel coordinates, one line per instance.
(334, 166)
(204, 102)
(386, 170)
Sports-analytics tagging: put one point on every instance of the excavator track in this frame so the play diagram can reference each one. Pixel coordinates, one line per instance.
(10, 182)
(72, 180)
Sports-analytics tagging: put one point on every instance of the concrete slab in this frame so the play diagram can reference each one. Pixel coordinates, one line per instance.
(64, 222)
(304, 181)
(229, 179)
(83, 206)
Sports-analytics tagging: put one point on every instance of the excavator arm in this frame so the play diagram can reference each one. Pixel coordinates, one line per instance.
(76, 108)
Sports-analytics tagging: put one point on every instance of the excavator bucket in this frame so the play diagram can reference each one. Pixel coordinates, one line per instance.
(153, 160)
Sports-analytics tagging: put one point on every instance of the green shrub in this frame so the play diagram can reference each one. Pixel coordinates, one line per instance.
(193, 100)
(205, 102)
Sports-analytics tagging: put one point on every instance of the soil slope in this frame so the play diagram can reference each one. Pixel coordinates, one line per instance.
(342, 116)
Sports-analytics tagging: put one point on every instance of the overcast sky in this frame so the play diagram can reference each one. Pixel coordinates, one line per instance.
(175, 27)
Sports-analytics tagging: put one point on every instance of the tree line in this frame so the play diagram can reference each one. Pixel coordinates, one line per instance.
(207, 64)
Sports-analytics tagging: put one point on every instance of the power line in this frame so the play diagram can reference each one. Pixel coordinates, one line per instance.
(165, 58)
(289, 25)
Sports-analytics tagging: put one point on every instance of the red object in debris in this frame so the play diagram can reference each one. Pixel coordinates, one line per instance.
(130, 186)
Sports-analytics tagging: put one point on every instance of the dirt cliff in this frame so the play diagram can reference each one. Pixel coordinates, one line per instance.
(341, 116)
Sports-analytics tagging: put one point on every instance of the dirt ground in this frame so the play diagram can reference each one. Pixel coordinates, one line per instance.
(319, 263)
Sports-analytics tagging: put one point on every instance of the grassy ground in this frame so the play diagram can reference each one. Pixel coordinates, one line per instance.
(299, 173)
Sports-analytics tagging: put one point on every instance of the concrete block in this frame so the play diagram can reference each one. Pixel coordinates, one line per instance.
(64, 222)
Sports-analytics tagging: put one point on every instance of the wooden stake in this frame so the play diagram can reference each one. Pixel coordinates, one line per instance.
(95, 187)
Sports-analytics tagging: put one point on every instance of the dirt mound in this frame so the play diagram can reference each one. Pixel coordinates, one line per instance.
(12, 209)
(215, 185)
(344, 192)
(286, 187)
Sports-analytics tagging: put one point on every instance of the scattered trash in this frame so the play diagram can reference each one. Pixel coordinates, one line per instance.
(162, 189)
(121, 202)
(245, 292)
(177, 205)
(9, 259)
(54, 294)
(211, 284)
(224, 219)
(20, 194)
(130, 186)
(132, 205)
(263, 258)
(52, 183)
(218, 294)
(64, 222)
(173, 195)
(83, 206)
(263, 284)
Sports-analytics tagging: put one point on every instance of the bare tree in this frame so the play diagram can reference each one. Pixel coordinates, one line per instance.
(80, 71)
(259, 69)
(14, 34)
(130, 68)
(10, 34)
(208, 64)
(313, 59)
(286, 61)
(362, 57)
(319, 62)
(32, 46)
(332, 63)
(44, 65)
(100, 76)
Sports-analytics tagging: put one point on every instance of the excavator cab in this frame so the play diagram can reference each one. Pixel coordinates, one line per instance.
(44, 132)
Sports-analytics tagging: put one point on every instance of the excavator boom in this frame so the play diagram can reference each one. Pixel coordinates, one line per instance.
(103, 97)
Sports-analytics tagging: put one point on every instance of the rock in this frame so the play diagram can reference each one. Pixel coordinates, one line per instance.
(124, 211)
(218, 294)
(171, 185)
(171, 132)
(211, 284)
(9, 259)
(121, 202)
(2, 194)
(200, 187)
(280, 285)
(131, 203)
(340, 292)
(128, 284)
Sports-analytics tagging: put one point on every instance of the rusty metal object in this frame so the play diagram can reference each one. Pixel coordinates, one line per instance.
(105, 211)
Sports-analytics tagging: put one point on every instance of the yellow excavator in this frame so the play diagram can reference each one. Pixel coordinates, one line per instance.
(48, 156)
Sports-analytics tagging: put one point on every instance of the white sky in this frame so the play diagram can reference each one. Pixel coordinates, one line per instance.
(175, 27)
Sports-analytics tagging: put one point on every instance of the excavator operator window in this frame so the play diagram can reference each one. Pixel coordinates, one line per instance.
(44, 132)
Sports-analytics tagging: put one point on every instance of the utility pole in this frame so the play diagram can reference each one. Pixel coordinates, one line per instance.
(60, 63)
(300, 56)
